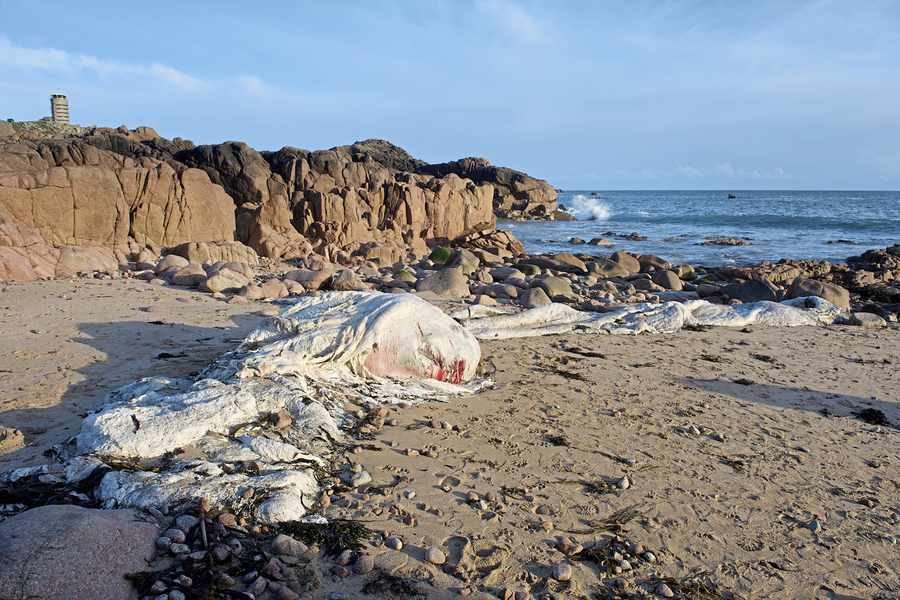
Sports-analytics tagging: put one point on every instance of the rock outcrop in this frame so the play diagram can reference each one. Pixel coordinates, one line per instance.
(516, 195)
(131, 190)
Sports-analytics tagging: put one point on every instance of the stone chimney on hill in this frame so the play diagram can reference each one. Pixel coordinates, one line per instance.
(59, 108)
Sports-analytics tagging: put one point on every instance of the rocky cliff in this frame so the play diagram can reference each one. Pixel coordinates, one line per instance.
(516, 195)
(120, 191)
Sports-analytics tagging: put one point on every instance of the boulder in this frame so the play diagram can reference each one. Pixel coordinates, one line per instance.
(557, 288)
(191, 275)
(75, 259)
(668, 280)
(171, 260)
(272, 289)
(54, 552)
(753, 290)
(564, 261)
(224, 280)
(311, 280)
(607, 268)
(534, 297)
(626, 261)
(834, 293)
(465, 260)
(650, 262)
(449, 282)
(867, 320)
(228, 251)
(346, 280)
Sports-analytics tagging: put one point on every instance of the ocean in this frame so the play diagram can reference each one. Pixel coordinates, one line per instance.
(774, 224)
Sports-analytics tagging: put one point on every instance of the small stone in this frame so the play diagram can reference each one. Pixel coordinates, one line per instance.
(409, 494)
(344, 558)
(364, 564)
(394, 543)
(163, 543)
(435, 556)
(186, 522)
(179, 548)
(360, 479)
(197, 555)
(815, 526)
(221, 552)
(626, 566)
(227, 520)
(158, 587)
(664, 590)
(176, 536)
(258, 586)
(624, 483)
(286, 545)
(649, 557)
(177, 595)
(562, 571)
(286, 593)
(184, 581)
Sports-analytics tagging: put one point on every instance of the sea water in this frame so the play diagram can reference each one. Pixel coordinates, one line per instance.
(774, 224)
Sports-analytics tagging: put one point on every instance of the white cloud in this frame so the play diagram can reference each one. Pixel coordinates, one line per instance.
(60, 61)
(513, 19)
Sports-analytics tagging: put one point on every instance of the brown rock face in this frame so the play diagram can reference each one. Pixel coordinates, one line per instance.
(516, 195)
(127, 190)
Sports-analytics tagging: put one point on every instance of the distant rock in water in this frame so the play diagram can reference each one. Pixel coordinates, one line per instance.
(724, 241)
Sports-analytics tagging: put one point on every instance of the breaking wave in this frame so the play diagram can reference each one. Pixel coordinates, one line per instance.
(585, 208)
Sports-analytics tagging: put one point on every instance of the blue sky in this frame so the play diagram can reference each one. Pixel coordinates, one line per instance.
(590, 95)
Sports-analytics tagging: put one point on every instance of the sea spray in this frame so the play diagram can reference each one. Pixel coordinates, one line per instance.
(586, 208)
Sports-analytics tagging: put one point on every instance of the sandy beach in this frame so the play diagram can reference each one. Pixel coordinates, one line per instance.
(743, 455)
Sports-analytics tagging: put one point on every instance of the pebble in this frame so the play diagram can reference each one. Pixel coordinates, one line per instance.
(176, 536)
(409, 494)
(344, 558)
(664, 590)
(649, 557)
(435, 556)
(815, 526)
(360, 479)
(158, 587)
(163, 543)
(562, 571)
(394, 543)
(364, 564)
(177, 595)
(624, 483)
(227, 520)
(179, 548)
(184, 581)
(186, 522)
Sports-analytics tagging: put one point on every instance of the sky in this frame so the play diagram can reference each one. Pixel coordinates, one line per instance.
(588, 95)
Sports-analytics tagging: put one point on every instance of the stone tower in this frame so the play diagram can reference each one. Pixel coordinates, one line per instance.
(59, 108)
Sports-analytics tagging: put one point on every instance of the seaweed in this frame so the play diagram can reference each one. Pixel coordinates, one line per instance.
(696, 586)
(333, 537)
(873, 416)
(385, 584)
(614, 523)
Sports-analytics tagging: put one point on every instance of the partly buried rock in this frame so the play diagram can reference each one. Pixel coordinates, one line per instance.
(224, 280)
(835, 294)
(273, 289)
(668, 280)
(564, 261)
(649, 262)
(215, 251)
(55, 552)
(191, 275)
(449, 282)
(557, 288)
(171, 260)
(607, 268)
(627, 261)
(311, 280)
(867, 320)
(753, 290)
(534, 297)
(346, 280)
(76, 259)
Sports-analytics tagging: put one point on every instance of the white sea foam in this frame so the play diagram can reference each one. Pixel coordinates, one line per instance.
(586, 208)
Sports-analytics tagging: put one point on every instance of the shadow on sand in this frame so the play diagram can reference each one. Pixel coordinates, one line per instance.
(131, 350)
(824, 403)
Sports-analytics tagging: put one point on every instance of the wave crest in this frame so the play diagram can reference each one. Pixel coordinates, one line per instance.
(585, 208)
